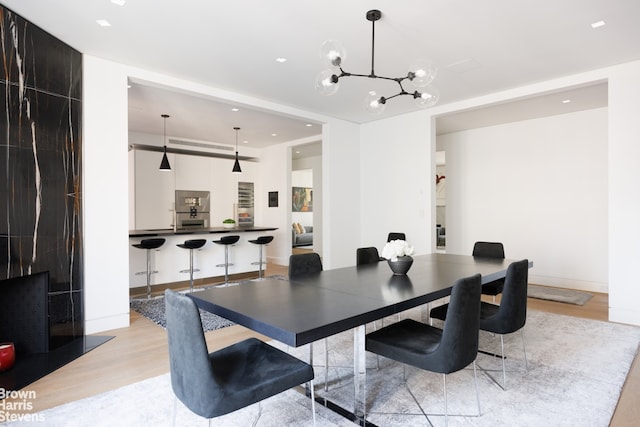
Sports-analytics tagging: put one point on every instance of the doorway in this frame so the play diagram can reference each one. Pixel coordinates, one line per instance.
(306, 198)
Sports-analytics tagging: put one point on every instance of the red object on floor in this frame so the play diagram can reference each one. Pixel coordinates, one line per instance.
(7, 356)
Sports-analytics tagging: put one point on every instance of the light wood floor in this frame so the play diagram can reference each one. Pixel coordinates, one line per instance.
(140, 352)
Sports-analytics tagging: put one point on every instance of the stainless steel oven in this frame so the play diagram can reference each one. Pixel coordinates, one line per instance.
(192, 209)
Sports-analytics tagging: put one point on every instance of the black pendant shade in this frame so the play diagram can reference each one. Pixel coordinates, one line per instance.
(236, 164)
(164, 164)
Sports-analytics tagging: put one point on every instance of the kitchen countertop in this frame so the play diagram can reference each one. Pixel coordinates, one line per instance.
(211, 230)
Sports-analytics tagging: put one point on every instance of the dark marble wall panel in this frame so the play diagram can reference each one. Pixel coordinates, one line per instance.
(40, 168)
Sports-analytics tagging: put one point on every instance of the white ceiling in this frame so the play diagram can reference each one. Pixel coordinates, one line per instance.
(480, 47)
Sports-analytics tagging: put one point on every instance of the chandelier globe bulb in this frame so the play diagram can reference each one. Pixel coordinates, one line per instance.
(374, 103)
(427, 97)
(327, 83)
(333, 53)
(422, 73)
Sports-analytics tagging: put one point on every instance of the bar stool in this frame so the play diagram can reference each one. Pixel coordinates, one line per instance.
(261, 241)
(191, 245)
(226, 241)
(149, 244)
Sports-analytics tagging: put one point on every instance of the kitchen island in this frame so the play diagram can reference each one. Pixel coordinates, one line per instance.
(169, 259)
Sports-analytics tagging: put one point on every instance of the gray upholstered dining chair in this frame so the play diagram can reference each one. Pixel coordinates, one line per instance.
(446, 350)
(490, 250)
(508, 317)
(368, 255)
(215, 384)
(301, 264)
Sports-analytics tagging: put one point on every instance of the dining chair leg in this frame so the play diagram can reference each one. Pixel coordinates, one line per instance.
(475, 378)
(504, 370)
(175, 409)
(313, 404)
(375, 328)
(526, 364)
(326, 364)
(255, 422)
(444, 391)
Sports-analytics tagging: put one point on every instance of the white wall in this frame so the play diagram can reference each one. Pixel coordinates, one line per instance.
(105, 195)
(276, 177)
(397, 181)
(341, 199)
(540, 187)
(624, 187)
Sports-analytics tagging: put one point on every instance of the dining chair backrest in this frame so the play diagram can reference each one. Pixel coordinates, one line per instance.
(191, 372)
(488, 250)
(368, 255)
(459, 343)
(512, 312)
(301, 264)
(396, 236)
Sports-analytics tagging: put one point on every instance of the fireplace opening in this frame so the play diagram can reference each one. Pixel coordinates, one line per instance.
(25, 320)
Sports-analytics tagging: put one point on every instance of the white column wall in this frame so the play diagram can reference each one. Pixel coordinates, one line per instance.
(624, 190)
(341, 198)
(276, 177)
(105, 195)
(398, 179)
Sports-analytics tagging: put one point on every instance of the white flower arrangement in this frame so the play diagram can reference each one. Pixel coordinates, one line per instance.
(397, 248)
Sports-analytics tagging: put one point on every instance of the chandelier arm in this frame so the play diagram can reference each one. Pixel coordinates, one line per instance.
(347, 74)
(397, 94)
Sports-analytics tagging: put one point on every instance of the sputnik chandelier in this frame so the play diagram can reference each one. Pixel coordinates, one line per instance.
(421, 75)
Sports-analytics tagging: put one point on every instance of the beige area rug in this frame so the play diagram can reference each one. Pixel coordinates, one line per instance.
(577, 368)
(568, 296)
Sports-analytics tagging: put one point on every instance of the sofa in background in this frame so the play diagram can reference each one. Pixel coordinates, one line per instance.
(302, 235)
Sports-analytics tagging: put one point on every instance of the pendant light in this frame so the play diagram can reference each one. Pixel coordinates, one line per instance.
(164, 165)
(236, 165)
(421, 75)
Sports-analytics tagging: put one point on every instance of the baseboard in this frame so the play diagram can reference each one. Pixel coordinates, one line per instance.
(204, 281)
(629, 317)
(94, 326)
(578, 285)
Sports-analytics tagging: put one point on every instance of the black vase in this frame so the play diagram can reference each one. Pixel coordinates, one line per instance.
(401, 266)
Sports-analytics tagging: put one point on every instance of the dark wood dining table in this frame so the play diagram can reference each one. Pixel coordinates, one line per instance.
(319, 305)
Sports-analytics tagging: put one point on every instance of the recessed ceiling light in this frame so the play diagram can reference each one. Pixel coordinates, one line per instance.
(103, 23)
(274, 134)
(235, 109)
(308, 125)
(598, 24)
(297, 151)
(566, 101)
(281, 59)
(119, 2)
